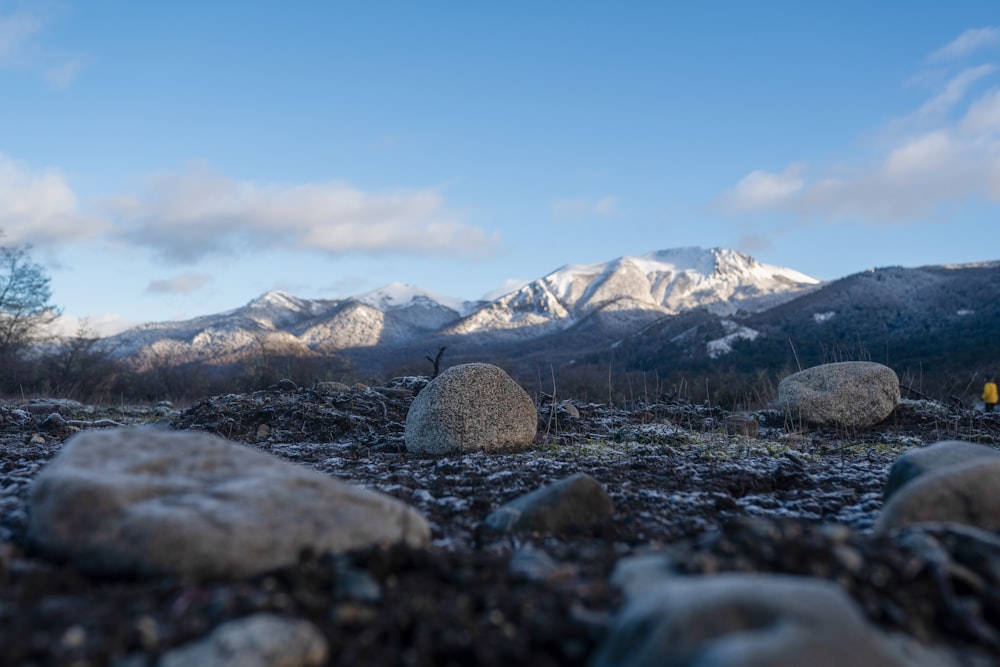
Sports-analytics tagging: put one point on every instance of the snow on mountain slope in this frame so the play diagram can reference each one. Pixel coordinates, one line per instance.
(417, 307)
(402, 295)
(602, 299)
(277, 320)
(355, 324)
(668, 281)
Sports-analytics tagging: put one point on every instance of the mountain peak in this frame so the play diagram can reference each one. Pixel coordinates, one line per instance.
(274, 298)
(398, 295)
(664, 281)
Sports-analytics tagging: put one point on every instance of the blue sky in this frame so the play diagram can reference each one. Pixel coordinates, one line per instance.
(168, 160)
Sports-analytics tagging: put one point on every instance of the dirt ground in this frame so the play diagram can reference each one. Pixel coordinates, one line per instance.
(768, 498)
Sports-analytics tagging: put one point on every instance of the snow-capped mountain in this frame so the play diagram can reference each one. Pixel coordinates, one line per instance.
(278, 322)
(661, 283)
(614, 298)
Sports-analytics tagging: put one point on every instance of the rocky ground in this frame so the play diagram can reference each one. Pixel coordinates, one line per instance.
(710, 489)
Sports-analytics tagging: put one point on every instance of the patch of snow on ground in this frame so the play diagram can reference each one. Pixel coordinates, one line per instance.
(823, 317)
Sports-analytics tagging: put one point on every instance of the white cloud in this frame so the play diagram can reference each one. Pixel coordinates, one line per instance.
(954, 91)
(61, 74)
(39, 206)
(191, 214)
(108, 324)
(508, 286)
(967, 43)
(761, 189)
(945, 153)
(182, 284)
(22, 47)
(16, 32)
(605, 207)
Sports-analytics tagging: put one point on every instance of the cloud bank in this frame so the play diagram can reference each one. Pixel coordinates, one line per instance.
(188, 215)
(967, 43)
(22, 48)
(183, 284)
(944, 154)
(39, 206)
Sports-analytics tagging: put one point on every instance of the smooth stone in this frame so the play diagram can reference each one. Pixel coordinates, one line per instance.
(742, 620)
(261, 640)
(924, 460)
(968, 494)
(147, 501)
(572, 504)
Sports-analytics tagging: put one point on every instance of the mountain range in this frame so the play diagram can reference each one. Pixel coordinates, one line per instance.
(683, 310)
(623, 295)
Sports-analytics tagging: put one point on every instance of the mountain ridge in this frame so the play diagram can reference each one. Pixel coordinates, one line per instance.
(653, 285)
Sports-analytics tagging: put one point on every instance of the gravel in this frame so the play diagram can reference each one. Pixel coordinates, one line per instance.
(781, 500)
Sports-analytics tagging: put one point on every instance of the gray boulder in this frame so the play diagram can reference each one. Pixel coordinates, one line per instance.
(739, 620)
(471, 407)
(850, 394)
(966, 493)
(261, 640)
(924, 460)
(149, 501)
(573, 504)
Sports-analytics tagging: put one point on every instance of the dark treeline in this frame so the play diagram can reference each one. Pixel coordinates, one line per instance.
(81, 368)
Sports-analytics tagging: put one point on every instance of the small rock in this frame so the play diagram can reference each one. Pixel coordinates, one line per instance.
(738, 620)
(534, 564)
(394, 392)
(47, 407)
(568, 409)
(332, 387)
(54, 422)
(261, 640)
(356, 583)
(569, 505)
(287, 385)
(741, 425)
(635, 575)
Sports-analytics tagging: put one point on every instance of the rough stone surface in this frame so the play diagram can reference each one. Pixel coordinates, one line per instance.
(152, 501)
(923, 460)
(850, 394)
(471, 407)
(261, 640)
(967, 494)
(737, 620)
(572, 504)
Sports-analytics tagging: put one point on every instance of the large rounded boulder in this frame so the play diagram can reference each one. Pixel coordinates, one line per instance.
(949, 482)
(849, 394)
(471, 407)
(149, 502)
(934, 458)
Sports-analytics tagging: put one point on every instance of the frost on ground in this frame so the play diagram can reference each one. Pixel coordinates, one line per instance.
(784, 500)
